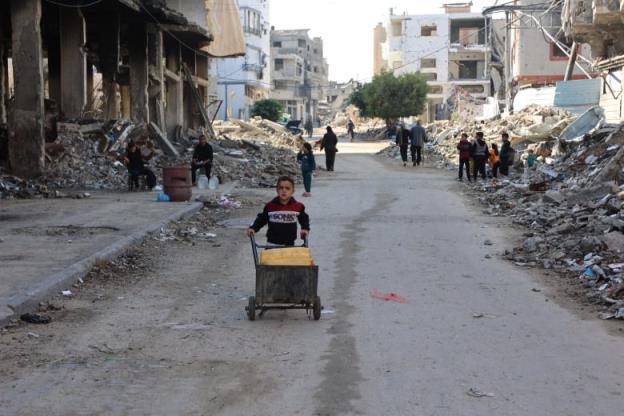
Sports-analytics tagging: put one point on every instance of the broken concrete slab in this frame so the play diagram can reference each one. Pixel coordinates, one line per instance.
(162, 141)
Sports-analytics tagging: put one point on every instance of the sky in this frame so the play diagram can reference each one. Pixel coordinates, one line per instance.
(346, 27)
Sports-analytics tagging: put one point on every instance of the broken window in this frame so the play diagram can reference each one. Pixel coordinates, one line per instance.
(299, 69)
(428, 30)
(556, 54)
(316, 69)
(430, 76)
(301, 43)
(474, 89)
(277, 44)
(467, 69)
(280, 84)
(428, 63)
(469, 35)
(397, 28)
(279, 64)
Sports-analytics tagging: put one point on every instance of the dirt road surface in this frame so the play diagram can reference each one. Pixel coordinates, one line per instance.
(165, 333)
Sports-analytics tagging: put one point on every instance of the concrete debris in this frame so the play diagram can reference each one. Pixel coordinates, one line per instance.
(570, 201)
(88, 154)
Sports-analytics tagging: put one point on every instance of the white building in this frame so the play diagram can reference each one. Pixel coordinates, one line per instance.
(449, 49)
(242, 81)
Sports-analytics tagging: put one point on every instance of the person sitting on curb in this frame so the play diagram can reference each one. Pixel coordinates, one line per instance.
(135, 162)
(202, 158)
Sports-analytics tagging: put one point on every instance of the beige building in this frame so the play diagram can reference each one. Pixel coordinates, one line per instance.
(299, 72)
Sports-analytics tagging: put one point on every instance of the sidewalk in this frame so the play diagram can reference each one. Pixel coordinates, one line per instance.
(48, 244)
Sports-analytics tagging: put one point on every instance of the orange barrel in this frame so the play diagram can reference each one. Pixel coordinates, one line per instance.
(177, 183)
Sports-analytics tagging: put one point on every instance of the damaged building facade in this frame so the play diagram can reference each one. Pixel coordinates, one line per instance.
(451, 50)
(142, 60)
(246, 79)
(299, 72)
(600, 24)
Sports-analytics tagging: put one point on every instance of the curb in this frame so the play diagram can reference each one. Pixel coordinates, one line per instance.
(30, 300)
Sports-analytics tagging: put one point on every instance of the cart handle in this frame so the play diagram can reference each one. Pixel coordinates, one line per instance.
(255, 247)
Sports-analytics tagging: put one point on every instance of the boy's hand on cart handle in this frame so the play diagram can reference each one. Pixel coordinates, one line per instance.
(250, 232)
(305, 234)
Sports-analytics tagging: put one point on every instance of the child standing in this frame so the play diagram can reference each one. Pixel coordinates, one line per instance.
(282, 215)
(464, 148)
(494, 160)
(308, 165)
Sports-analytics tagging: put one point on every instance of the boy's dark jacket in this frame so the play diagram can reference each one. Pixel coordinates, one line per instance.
(465, 149)
(282, 220)
(308, 163)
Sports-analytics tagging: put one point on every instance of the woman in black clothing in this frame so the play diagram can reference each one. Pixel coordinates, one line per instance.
(329, 143)
(136, 167)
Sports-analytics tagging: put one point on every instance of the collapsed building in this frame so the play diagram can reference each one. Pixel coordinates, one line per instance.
(135, 59)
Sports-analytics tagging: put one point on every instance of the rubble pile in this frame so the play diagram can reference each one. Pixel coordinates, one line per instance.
(88, 155)
(534, 124)
(573, 210)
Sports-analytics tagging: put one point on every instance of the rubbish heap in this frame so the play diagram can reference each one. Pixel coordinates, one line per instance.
(88, 155)
(571, 202)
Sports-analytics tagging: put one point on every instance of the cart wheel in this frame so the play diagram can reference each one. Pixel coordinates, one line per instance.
(316, 308)
(251, 309)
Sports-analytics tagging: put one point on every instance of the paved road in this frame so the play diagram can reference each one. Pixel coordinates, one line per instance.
(176, 341)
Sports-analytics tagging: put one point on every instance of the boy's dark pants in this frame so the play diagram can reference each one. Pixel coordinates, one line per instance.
(403, 150)
(307, 180)
(504, 167)
(330, 158)
(416, 154)
(462, 163)
(207, 168)
(479, 166)
(495, 169)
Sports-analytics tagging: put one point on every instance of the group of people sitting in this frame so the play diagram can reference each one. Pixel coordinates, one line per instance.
(136, 157)
(475, 155)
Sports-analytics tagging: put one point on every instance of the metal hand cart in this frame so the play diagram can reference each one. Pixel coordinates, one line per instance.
(283, 287)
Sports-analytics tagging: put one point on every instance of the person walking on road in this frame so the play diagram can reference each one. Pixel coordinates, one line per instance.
(329, 143)
(418, 137)
(507, 155)
(202, 158)
(309, 127)
(480, 155)
(308, 165)
(464, 148)
(351, 129)
(403, 141)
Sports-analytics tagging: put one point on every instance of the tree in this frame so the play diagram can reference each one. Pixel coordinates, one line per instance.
(390, 97)
(268, 109)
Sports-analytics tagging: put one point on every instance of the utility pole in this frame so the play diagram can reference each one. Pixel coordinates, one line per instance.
(507, 63)
(571, 61)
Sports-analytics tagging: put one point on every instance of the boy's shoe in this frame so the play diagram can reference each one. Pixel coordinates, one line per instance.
(413, 163)
(404, 164)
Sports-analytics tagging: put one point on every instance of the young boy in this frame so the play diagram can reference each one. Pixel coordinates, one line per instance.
(282, 214)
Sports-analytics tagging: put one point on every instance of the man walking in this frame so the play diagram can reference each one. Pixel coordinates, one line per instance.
(418, 136)
(402, 140)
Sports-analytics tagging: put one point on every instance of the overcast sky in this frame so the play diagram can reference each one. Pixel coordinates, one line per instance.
(346, 27)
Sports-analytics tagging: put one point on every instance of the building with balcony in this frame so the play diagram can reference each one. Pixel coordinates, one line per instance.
(299, 72)
(449, 49)
(244, 80)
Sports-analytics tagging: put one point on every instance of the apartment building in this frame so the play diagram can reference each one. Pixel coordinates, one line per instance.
(299, 72)
(449, 49)
(244, 80)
